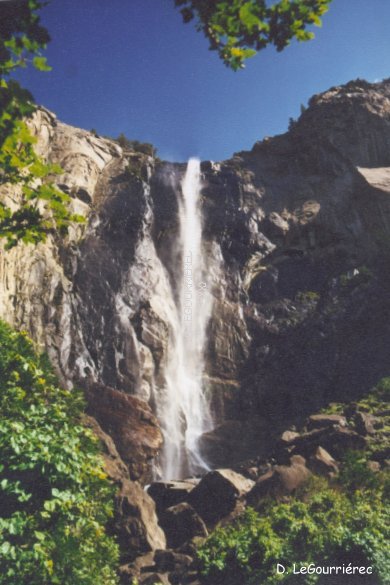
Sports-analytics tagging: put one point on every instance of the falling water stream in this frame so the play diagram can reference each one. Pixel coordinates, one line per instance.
(183, 409)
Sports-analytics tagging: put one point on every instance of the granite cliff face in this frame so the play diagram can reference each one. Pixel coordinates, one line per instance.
(297, 239)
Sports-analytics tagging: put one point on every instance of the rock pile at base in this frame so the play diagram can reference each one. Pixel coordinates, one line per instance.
(189, 510)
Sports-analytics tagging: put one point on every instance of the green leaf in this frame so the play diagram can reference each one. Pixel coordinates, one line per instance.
(41, 64)
(248, 18)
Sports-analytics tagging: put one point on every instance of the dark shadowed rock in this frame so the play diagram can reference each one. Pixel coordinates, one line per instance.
(322, 421)
(265, 486)
(364, 423)
(136, 521)
(334, 439)
(113, 464)
(185, 578)
(323, 463)
(130, 422)
(234, 440)
(168, 560)
(340, 440)
(169, 493)
(154, 579)
(130, 571)
(217, 493)
(279, 481)
(181, 523)
(304, 444)
(288, 437)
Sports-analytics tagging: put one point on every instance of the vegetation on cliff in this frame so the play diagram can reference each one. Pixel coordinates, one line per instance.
(40, 205)
(55, 497)
(342, 521)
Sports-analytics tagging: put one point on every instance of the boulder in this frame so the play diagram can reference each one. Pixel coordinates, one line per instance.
(265, 486)
(304, 444)
(288, 437)
(321, 421)
(167, 494)
(291, 477)
(335, 439)
(185, 578)
(364, 423)
(181, 523)
(252, 473)
(168, 560)
(135, 521)
(114, 466)
(217, 493)
(130, 571)
(297, 460)
(279, 481)
(323, 463)
(132, 425)
(350, 410)
(154, 579)
(340, 440)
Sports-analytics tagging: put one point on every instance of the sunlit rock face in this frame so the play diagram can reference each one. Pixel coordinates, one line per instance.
(297, 238)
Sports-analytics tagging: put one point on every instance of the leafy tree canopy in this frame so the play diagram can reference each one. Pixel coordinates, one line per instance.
(41, 206)
(237, 29)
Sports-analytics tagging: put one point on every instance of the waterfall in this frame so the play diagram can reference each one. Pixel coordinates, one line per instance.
(182, 406)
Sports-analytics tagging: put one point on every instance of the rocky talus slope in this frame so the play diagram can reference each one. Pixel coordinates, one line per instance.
(297, 240)
(189, 511)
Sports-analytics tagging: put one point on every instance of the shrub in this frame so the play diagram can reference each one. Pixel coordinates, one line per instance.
(54, 496)
(356, 475)
(144, 147)
(308, 296)
(327, 526)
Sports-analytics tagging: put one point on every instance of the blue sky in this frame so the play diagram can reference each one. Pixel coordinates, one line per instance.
(131, 66)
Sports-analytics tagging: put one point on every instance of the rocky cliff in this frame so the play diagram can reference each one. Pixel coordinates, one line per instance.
(297, 238)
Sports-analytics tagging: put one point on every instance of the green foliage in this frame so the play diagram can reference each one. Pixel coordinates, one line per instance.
(136, 145)
(41, 206)
(54, 496)
(383, 390)
(21, 35)
(237, 29)
(308, 296)
(356, 277)
(22, 39)
(292, 123)
(327, 526)
(356, 475)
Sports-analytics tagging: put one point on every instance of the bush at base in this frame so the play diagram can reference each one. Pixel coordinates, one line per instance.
(329, 525)
(54, 496)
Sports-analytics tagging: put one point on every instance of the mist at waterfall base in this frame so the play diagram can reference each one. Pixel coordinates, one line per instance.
(182, 407)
